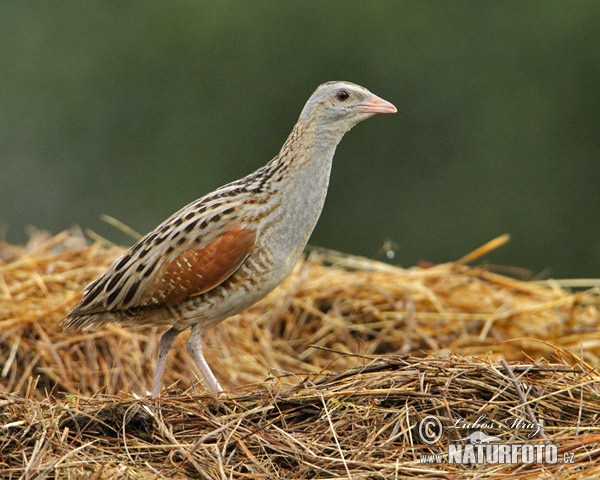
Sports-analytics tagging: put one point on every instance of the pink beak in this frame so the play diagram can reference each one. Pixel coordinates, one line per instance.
(374, 104)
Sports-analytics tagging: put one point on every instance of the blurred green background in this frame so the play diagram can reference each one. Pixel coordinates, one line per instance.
(136, 108)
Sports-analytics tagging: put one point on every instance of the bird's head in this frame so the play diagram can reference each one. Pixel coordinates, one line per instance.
(338, 106)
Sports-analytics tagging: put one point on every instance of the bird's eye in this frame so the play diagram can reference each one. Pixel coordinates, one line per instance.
(342, 95)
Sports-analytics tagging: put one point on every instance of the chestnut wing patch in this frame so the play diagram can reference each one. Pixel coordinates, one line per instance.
(196, 271)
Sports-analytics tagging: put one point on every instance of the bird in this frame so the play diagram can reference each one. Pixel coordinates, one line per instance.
(224, 252)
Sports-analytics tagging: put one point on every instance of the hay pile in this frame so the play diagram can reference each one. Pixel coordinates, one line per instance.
(329, 375)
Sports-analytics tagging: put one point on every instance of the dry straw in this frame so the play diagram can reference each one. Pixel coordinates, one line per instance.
(329, 376)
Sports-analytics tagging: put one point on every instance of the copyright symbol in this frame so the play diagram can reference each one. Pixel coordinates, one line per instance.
(430, 429)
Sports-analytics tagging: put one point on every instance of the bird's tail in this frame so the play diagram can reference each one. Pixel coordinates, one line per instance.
(84, 322)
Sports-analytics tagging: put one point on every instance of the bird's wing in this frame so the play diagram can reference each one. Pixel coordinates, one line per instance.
(190, 253)
(196, 271)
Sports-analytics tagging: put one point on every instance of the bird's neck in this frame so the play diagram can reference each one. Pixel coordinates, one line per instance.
(309, 148)
(297, 180)
(302, 170)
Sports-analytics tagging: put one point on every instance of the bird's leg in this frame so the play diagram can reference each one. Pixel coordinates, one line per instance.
(194, 346)
(166, 341)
